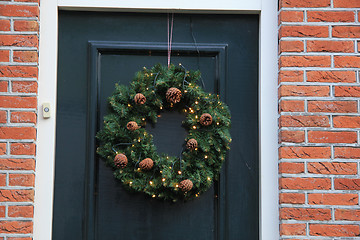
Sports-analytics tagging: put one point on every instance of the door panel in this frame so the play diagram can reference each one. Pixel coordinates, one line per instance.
(96, 50)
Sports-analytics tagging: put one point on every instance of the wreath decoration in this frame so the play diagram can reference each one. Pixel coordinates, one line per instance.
(128, 148)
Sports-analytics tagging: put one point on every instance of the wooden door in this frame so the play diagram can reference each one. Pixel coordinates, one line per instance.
(97, 50)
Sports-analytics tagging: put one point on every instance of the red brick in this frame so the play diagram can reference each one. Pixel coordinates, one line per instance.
(2, 148)
(346, 121)
(303, 121)
(347, 184)
(333, 106)
(26, 180)
(292, 106)
(25, 56)
(2, 212)
(23, 117)
(293, 229)
(347, 61)
(19, 238)
(330, 16)
(304, 91)
(2, 180)
(334, 230)
(331, 76)
(347, 91)
(17, 164)
(304, 3)
(346, 3)
(305, 61)
(291, 76)
(291, 46)
(347, 152)
(347, 214)
(4, 86)
(15, 227)
(292, 136)
(3, 117)
(305, 214)
(19, 11)
(17, 133)
(291, 167)
(291, 16)
(330, 46)
(4, 55)
(31, 26)
(332, 137)
(346, 31)
(332, 199)
(18, 71)
(336, 168)
(304, 183)
(304, 152)
(4, 25)
(16, 195)
(292, 198)
(304, 31)
(22, 149)
(24, 86)
(17, 102)
(19, 40)
(21, 211)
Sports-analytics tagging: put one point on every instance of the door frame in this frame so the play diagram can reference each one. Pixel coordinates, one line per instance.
(268, 129)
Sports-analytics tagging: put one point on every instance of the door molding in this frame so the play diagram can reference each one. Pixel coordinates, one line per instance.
(45, 157)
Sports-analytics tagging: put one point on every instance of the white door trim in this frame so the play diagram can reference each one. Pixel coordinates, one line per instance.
(45, 158)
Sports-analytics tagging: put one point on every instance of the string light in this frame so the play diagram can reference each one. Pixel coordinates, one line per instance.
(130, 183)
(139, 169)
(196, 195)
(151, 182)
(208, 178)
(129, 105)
(179, 172)
(185, 91)
(177, 185)
(206, 156)
(217, 123)
(196, 102)
(143, 119)
(163, 179)
(196, 116)
(194, 127)
(153, 195)
(161, 108)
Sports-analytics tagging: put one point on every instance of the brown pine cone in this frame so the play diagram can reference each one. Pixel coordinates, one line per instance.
(120, 160)
(206, 119)
(132, 126)
(139, 98)
(186, 185)
(146, 164)
(173, 95)
(191, 144)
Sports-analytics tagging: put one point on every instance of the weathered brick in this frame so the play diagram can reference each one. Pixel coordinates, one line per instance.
(346, 3)
(4, 86)
(25, 56)
(330, 16)
(332, 199)
(332, 230)
(23, 117)
(17, 102)
(291, 46)
(305, 214)
(17, 164)
(347, 152)
(305, 61)
(346, 121)
(2, 180)
(332, 106)
(291, 76)
(22, 149)
(330, 46)
(336, 168)
(18, 71)
(17, 133)
(347, 184)
(347, 61)
(305, 152)
(21, 211)
(292, 136)
(24, 86)
(346, 31)
(292, 106)
(304, 31)
(291, 16)
(31, 26)
(2, 148)
(16, 195)
(304, 183)
(303, 121)
(331, 76)
(304, 3)
(3, 117)
(293, 229)
(332, 137)
(16, 227)
(291, 167)
(2, 212)
(4, 25)
(347, 91)
(292, 198)
(19, 40)
(347, 214)
(19, 11)
(26, 180)
(4, 55)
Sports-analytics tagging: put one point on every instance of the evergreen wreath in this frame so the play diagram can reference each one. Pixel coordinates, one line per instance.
(129, 149)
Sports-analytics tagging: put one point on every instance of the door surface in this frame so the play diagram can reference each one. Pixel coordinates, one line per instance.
(97, 50)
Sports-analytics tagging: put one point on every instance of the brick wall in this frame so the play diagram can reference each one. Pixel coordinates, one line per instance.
(319, 118)
(18, 113)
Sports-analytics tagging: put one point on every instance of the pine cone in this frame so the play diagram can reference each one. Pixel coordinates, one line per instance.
(132, 126)
(186, 185)
(139, 98)
(146, 164)
(191, 144)
(206, 119)
(120, 160)
(173, 95)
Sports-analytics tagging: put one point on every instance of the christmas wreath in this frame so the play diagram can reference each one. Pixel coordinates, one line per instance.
(128, 148)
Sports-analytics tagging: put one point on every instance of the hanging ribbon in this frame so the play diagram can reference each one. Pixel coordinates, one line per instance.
(170, 34)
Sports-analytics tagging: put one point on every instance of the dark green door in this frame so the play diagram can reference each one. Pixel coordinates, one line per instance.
(96, 50)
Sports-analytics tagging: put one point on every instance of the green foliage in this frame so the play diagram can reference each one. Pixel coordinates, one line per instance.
(201, 166)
